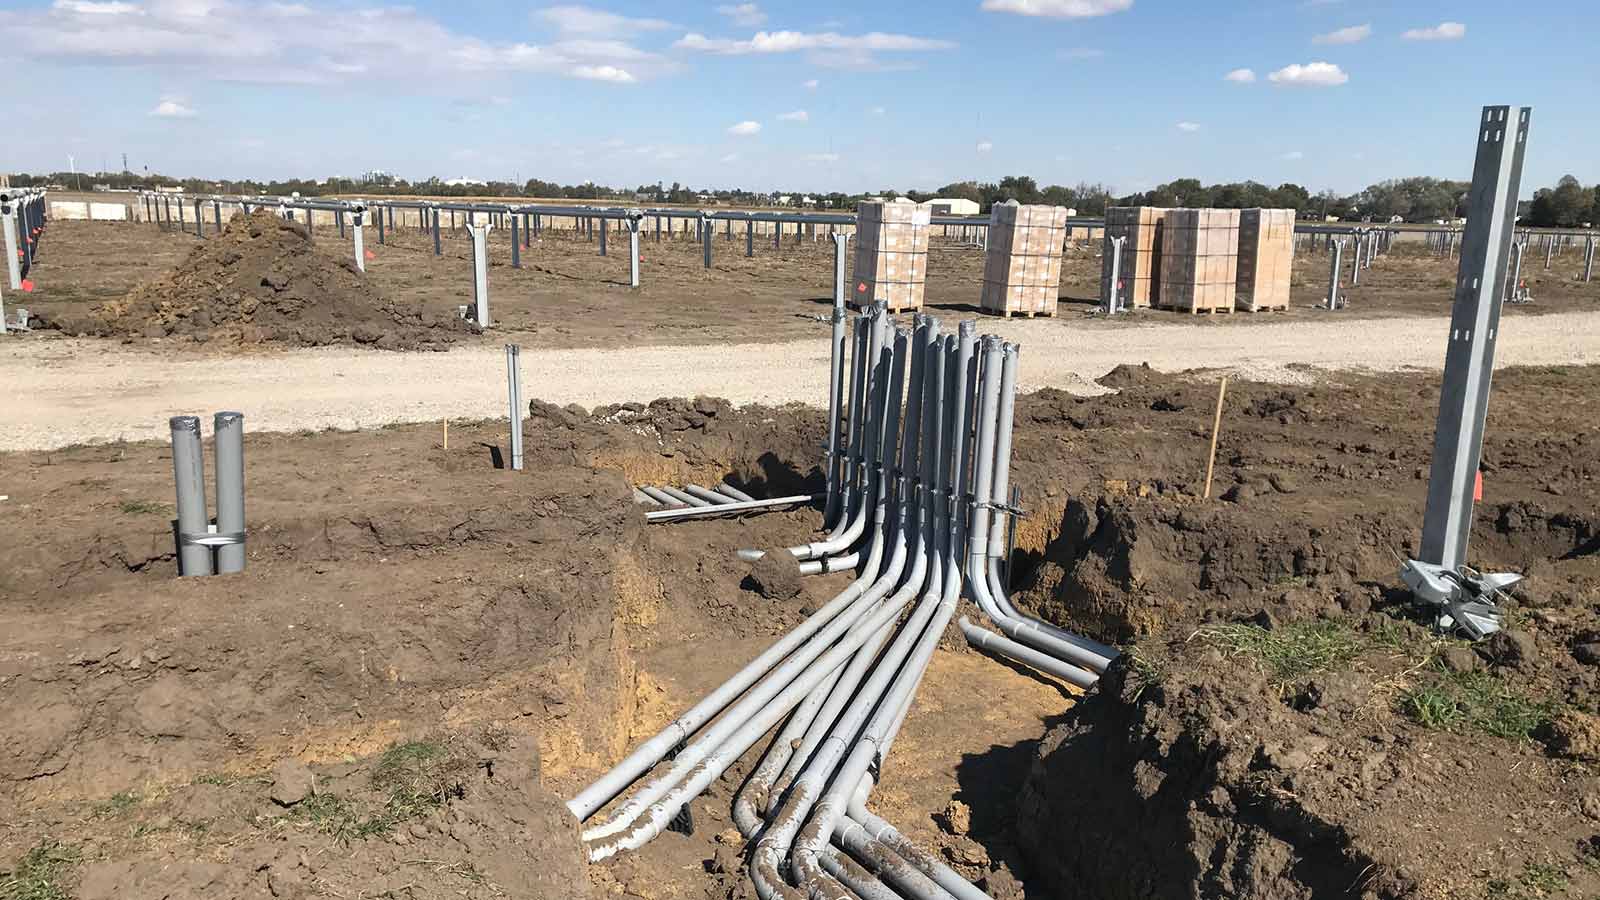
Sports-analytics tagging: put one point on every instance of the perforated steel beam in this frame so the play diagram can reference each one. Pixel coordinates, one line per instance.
(1474, 329)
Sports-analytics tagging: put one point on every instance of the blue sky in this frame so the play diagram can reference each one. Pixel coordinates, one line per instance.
(822, 95)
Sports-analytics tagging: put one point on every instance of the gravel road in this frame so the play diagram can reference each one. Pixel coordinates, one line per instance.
(67, 391)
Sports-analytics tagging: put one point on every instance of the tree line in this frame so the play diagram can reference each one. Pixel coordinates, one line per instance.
(1421, 199)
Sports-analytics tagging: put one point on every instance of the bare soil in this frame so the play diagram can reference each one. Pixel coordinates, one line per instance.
(566, 295)
(1282, 725)
(262, 280)
(451, 647)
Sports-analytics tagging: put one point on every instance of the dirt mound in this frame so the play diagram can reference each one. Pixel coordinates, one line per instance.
(1125, 375)
(1223, 781)
(263, 280)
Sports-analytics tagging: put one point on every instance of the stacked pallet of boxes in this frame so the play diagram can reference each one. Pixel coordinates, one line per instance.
(1266, 259)
(1022, 265)
(1140, 271)
(1199, 260)
(891, 254)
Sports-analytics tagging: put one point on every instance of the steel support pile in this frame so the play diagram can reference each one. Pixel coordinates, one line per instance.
(1438, 576)
(914, 487)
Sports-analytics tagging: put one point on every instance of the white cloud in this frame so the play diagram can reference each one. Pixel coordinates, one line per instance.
(811, 84)
(588, 20)
(1059, 9)
(1241, 76)
(1081, 53)
(731, 157)
(271, 43)
(1294, 155)
(1355, 34)
(1190, 127)
(173, 108)
(798, 115)
(603, 73)
(745, 128)
(791, 41)
(88, 8)
(822, 157)
(1444, 31)
(1314, 74)
(985, 146)
(745, 14)
(877, 111)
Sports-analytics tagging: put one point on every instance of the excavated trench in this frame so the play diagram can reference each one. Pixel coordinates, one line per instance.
(510, 634)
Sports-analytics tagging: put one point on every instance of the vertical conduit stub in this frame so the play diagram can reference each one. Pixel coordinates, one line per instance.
(189, 479)
(229, 449)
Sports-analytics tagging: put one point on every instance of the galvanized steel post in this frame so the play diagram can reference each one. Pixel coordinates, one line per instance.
(1501, 134)
(437, 250)
(749, 238)
(634, 221)
(514, 394)
(1588, 260)
(8, 221)
(480, 272)
(1336, 263)
(1355, 261)
(229, 448)
(1114, 288)
(603, 231)
(705, 242)
(516, 244)
(355, 231)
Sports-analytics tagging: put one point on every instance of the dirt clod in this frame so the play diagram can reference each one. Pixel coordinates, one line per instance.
(775, 575)
(1575, 735)
(292, 782)
(1460, 660)
(1515, 649)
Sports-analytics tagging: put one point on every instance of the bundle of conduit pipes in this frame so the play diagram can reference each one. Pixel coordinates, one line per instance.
(917, 509)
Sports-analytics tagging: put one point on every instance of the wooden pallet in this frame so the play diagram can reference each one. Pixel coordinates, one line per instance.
(1219, 310)
(1282, 307)
(1030, 313)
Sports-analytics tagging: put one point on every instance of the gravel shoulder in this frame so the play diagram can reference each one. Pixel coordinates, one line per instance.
(62, 391)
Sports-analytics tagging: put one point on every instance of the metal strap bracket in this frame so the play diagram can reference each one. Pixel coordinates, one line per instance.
(211, 539)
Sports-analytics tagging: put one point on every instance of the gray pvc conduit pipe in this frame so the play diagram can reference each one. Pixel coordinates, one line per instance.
(708, 495)
(865, 462)
(865, 834)
(809, 787)
(854, 602)
(1022, 653)
(977, 553)
(870, 745)
(643, 499)
(1101, 655)
(692, 777)
(735, 493)
(909, 451)
(662, 497)
(684, 497)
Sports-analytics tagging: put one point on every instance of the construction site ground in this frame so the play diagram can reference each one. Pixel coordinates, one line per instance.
(427, 652)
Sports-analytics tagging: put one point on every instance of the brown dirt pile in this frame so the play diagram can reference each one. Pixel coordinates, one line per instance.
(262, 280)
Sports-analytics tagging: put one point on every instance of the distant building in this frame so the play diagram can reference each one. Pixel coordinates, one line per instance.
(953, 206)
(464, 182)
(783, 200)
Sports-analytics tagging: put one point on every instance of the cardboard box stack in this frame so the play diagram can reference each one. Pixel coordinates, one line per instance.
(891, 254)
(1199, 260)
(1141, 254)
(1022, 265)
(1266, 258)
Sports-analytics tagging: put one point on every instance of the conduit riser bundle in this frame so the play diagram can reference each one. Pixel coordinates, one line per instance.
(922, 461)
